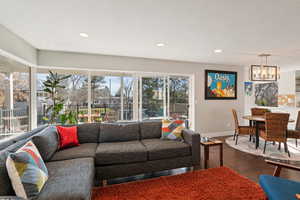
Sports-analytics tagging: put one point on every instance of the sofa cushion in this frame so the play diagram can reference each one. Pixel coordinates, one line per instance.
(88, 132)
(118, 132)
(160, 149)
(150, 129)
(47, 142)
(120, 152)
(69, 180)
(85, 150)
(14, 139)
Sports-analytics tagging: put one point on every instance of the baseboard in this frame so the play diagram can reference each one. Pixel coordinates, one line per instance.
(217, 134)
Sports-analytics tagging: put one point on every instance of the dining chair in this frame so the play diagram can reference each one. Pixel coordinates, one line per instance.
(240, 130)
(295, 133)
(276, 129)
(259, 111)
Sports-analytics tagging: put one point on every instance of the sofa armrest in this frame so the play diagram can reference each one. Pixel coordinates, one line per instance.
(11, 198)
(192, 138)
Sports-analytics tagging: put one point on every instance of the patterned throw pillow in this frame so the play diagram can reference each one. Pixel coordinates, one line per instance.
(27, 171)
(172, 129)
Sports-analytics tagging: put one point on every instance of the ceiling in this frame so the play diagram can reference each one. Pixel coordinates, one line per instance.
(191, 29)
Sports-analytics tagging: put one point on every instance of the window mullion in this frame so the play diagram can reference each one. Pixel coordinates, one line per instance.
(140, 99)
(33, 98)
(136, 99)
(164, 98)
(191, 95)
(122, 97)
(168, 96)
(89, 98)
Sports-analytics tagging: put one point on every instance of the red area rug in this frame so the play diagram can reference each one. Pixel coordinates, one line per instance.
(212, 184)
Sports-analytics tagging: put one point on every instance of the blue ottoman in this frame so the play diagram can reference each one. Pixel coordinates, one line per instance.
(277, 188)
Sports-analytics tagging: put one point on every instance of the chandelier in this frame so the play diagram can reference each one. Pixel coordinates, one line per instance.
(264, 72)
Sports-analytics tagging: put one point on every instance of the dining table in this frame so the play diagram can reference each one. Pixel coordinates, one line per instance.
(258, 119)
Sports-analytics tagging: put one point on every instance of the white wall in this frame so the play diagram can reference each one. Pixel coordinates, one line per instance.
(15, 45)
(286, 85)
(211, 116)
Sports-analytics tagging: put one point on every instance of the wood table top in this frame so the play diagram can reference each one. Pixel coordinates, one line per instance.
(259, 118)
(211, 141)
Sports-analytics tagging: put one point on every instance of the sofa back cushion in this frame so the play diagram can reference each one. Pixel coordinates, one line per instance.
(150, 129)
(4, 144)
(88, 133)
(119, 132)
(6, 188)
(47, 142)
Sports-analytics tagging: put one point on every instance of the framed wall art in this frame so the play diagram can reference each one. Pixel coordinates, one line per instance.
(220, 85)
(266, 94)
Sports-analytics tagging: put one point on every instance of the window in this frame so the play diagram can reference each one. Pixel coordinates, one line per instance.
(106, 98)
(128, 100)
(74, 96)
(179, 97)
(89, 96)
(152, 97)
(14, 98)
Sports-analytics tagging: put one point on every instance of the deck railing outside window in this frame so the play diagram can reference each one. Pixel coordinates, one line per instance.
(14, 121)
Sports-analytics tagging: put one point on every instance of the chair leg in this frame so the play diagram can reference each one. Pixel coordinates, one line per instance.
(265, 147)
(273, 142)
(296, 142)
(236, 139)
(279, 145)
(234, 134)
(286, 149)
(250, 138)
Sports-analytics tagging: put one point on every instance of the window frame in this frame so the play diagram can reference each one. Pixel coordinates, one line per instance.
(137, 92)
(137, 103)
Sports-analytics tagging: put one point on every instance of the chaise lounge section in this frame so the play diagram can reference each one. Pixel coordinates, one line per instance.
(106, 151)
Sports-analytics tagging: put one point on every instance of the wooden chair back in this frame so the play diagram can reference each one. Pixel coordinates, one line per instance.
(259, 111)
(236, 120)
(297, 127)
(276, 126)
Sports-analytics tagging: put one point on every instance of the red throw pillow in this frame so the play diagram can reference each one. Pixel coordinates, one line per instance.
(68, 136)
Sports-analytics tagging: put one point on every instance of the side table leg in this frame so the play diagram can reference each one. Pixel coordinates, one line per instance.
(206, 156)
(221, 154)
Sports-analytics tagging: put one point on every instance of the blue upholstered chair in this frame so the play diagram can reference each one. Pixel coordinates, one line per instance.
(277, 188)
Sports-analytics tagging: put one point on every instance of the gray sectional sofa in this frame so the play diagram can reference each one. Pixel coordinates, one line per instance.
(106, 151)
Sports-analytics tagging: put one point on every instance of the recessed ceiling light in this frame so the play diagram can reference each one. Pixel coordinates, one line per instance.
(218, 50)
(85, 35)
(160, 44)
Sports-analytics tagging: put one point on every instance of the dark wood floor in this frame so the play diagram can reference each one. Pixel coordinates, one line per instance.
(245, 164)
